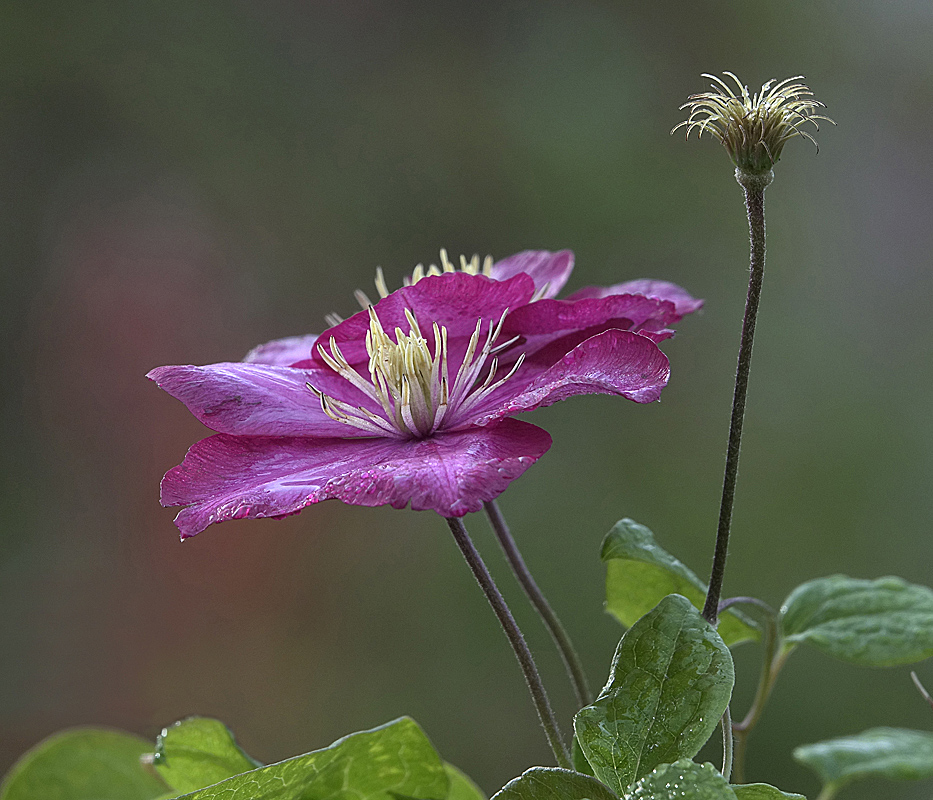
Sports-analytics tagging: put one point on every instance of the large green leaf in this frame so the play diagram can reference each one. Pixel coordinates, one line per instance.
(762, 791)
(639, 572)
(199, 752)
(461, 786)
(552, 783)
(877, 753)
(385, 763)
(683, 779)
(84, 764)
(880, 623)
(670, 682)
(580, 764)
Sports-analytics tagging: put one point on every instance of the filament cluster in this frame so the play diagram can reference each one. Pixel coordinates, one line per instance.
(410, 381)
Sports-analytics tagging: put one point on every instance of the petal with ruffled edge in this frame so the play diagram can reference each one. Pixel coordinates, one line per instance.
(455, 300)
(683, 301)
(549, 271)
(539, 324)
(261, 400)
(283, 352)
(236, 477)
(614, 362)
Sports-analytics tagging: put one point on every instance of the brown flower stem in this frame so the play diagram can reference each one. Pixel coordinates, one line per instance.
(558, 633)
(754, 186)
(522, 652)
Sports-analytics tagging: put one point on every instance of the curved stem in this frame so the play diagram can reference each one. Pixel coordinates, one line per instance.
(522, 653)
(772, 660)
(727, 749)
(558, 633)
(754, 186)
(921, 688)
(829, 791)
(769, 669)
(749, 601)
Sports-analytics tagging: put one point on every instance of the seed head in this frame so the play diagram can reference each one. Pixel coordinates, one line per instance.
(753, 128)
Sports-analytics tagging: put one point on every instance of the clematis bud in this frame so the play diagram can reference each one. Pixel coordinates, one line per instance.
(753, 128)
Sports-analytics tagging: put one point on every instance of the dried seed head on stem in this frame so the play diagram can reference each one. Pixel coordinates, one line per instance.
(753, 127)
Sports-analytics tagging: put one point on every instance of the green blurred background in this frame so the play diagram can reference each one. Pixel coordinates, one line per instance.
(182, 181)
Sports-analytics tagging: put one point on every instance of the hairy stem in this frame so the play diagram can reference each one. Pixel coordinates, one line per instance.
(558, 633)
(522, 653)
(754, 186)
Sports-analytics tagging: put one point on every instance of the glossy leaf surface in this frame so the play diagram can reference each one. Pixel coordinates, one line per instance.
(199, 752)
(880, 623)
(392, 761)
(639, 572)
(670, 682)
(580, 764)
(84, 764)
(762, 791)
(552, 783)
(681, 780)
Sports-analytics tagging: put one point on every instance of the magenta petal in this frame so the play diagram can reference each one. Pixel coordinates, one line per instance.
(282, 352)
(562, 316)
(547, 269)
(235, 477)
(539, 324)
(455, 300)
(614, 362)
(683, 301)
(260, 400)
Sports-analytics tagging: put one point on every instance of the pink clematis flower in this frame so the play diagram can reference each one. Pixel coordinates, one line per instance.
(550, 272)
(408, 402)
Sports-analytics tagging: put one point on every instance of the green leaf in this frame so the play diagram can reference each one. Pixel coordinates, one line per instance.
(552, 783)
(762, 791)
(683, 779)
(461, 787)
(670, 682)
(580, 764)
(882, 623)
(199, 752)
(879, 753)
(639, 573)
(84, 764)
(385, 763)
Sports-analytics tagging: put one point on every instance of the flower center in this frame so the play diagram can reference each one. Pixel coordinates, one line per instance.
(411, 382)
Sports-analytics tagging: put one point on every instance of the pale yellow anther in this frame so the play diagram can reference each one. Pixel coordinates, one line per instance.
(473, 266)
(446, 262)
(381, 286)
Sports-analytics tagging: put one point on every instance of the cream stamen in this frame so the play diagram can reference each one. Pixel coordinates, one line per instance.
(410, 381)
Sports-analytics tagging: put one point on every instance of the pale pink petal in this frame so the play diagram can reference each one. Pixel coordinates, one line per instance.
(549, 271)
(683, 301)
(260, 400)
(235, 477)
(282, 352)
